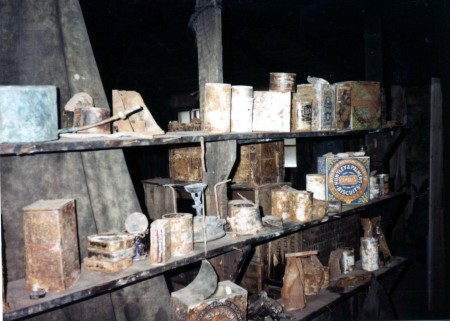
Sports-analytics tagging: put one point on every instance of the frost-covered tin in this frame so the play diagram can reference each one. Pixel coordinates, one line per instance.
(241, 108)
(217, 108)
(347, 260)
(301, 205)
(348, 179)
(316, 183)
(301, 115)
(369, 253)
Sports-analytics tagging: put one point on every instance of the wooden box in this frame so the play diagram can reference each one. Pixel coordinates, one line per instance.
(365, 104)
(228, 303)
(271, 111)
(260, 164)
(347, 179)
(51, 245)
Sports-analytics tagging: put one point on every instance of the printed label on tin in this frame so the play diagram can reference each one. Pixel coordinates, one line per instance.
(348, 180)
(327, 112)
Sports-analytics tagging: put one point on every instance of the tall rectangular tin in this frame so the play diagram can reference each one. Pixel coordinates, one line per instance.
(365, 104)
(322, 98)
(261, 163)
(51, 245)
(343, 114)
(347, 179)
(271, 111)
(185, 164)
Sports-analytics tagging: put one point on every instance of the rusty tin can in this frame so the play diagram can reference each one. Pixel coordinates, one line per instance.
(282, 81)
(51, 245)
(244, 218)
(347, 260)
(90, 115)
(369, 253)
(301, 205)
(383, 183)
(316, 183)
(217, 108)
(181, 233)
(280, 203)
(343, 107)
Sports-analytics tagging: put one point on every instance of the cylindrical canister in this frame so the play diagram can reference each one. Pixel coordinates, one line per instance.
(90, 115)
(181, 233)
(280, 203)
(241, 108)
(301, 115)
(374, 188)
(347, 260)
(316, 183)
(217, 108)
(301, 202)
(383, 183)
(245, 218)
(160, 241)
(369, 253)
(282, 81)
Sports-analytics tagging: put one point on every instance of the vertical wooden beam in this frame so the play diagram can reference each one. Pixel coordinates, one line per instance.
(436, 257)
(207, 25)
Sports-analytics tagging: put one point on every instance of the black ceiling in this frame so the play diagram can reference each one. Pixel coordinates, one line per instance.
(147, 46)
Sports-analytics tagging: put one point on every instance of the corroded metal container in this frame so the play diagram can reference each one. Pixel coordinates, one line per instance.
(272, 111)
(228, 303)
(160, 241)
(90, 115)
(383, 183)
(374, 187)
(185, 164)
(181, 233)
(241, 108)
(365, 104)
(244, 218)
(301, 205)
(347, 260)
(316, 184)
(260, 164)
(107, 266)
(343, 107)
(51, 245)
(28, 114)
(110, 242)
(281, 203)
(369, 253)
(217, 108)
(282, 81)
(301, 115)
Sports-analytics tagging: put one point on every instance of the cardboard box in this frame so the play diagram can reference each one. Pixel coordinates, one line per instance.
(348, 179)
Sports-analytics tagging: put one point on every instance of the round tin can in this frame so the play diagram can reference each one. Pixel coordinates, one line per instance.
(280, 203)
(347, 260)
(383, 183)
(369, 253)
(316, 183)
(302, 115)
(374, 188)
(282, 81)
(181, 233)
(245, 218)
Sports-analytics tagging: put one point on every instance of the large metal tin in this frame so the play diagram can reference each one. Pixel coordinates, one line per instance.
(365, 104)
(217, 108)
(241, 108)
(369, 253)
(281, 203)
(301, 115)
(316, 184)
(348, 179)
(272, 111)
(301, 205)
(51, 245)
(185, 164)
(261, 163)
(343, 107)
(28, 114)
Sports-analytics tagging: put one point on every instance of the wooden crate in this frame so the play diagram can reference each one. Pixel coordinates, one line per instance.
(260, 164)
(51, 245)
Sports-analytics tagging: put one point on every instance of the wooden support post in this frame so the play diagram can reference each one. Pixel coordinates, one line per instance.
(207, 25)
(436, 257)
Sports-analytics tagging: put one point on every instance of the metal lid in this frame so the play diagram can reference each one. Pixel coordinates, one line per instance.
(136, 223)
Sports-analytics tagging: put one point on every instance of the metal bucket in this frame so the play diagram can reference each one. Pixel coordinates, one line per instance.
(28, 114)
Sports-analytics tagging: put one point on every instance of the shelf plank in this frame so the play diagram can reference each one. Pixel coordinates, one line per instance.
(65, 144)
(93, 283)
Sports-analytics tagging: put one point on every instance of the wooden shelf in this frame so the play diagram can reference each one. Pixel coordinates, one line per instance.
(111, 142)
(94, 283)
